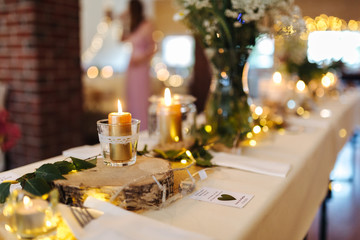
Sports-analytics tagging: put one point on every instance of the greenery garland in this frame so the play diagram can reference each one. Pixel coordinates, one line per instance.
(41, 181)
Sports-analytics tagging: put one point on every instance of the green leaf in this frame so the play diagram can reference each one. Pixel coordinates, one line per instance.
(25, 177)
(172, 155)
(161, 153)
(37, 186)
(82, 164)
(203, 162)
(226, 197)
(64, 166)
(144, 151)
(4, 191)
(49, 172)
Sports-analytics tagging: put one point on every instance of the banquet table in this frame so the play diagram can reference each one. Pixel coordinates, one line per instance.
(282, 207)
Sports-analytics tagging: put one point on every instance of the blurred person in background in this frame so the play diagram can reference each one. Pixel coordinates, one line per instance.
(138, 32)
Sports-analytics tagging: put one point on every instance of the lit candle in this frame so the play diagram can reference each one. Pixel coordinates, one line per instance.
(120, 125)
(30, 216)
(169, 120)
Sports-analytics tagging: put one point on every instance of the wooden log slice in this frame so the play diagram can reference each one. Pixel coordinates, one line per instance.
(132, 187)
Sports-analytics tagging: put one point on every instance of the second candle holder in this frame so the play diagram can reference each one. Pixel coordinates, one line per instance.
(171, 119)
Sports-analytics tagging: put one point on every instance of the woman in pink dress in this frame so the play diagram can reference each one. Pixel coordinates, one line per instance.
(138, 82)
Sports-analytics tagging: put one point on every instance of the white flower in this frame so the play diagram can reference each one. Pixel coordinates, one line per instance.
(237, 24)
(231, 13)
(202, 4)
(187, 3)
(180, 15)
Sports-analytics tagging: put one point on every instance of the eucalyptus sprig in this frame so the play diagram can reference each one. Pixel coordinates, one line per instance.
(40, 182)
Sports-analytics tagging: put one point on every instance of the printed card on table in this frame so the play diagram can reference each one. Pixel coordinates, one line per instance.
(232, 199)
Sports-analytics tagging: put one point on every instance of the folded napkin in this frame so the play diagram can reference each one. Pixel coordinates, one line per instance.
(251, 164)
(82, 152)
(117, 223)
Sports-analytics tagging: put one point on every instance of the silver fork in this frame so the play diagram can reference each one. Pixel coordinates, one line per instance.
(82, 215)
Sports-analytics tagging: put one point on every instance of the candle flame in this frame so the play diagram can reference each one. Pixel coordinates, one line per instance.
(119, 107)
(27, 202)
(167, 97)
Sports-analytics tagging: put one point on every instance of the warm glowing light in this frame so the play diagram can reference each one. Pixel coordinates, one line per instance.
(353, 25)
(321, 25)
(254, 116)
(92, 72)
(119, 107)
(107, 72)
(265, 129)
(163, 74)
(176, 138)
(223, 74)
(159, 66)
(281, 131)
(208, 128)
(278, 120)
(8, 228)
(48, 223)
(183, 161)
(325, 113)
(249, 135)
(320, 92)
(157, 36)
(96, 43)
(306, 115)
(277, 78)
(252, 143)
(300, 85)
(342, 133)
(258, 110)
(256, 129)
(176, 81)
(300, 110)
(325, 81)
(167, 97)
(27, 202)
(332, 78)
(188, 153)
(263, 122)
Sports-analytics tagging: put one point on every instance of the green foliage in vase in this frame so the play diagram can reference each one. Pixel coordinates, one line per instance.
(228, 30)
(227, 109)
(41, 181)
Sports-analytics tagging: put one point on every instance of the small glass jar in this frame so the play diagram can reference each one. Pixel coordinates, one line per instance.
(174, 123)
(32, 217)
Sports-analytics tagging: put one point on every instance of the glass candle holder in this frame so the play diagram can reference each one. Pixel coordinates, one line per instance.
(118, 142)
(32, 217)
(175, 123)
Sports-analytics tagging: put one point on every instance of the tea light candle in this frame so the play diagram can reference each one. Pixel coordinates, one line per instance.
(120, 125)
(169, 120)
(30, 215)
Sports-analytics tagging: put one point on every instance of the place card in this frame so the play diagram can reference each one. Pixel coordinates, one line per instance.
(223, 197)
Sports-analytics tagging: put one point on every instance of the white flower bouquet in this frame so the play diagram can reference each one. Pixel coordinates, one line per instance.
(236, 23)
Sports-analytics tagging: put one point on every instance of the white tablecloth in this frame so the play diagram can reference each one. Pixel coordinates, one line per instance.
(282, 208)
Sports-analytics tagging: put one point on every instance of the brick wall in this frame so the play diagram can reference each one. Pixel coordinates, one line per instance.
(39, 59)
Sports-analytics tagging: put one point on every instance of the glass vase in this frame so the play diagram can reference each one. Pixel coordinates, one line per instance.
(227, 110)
